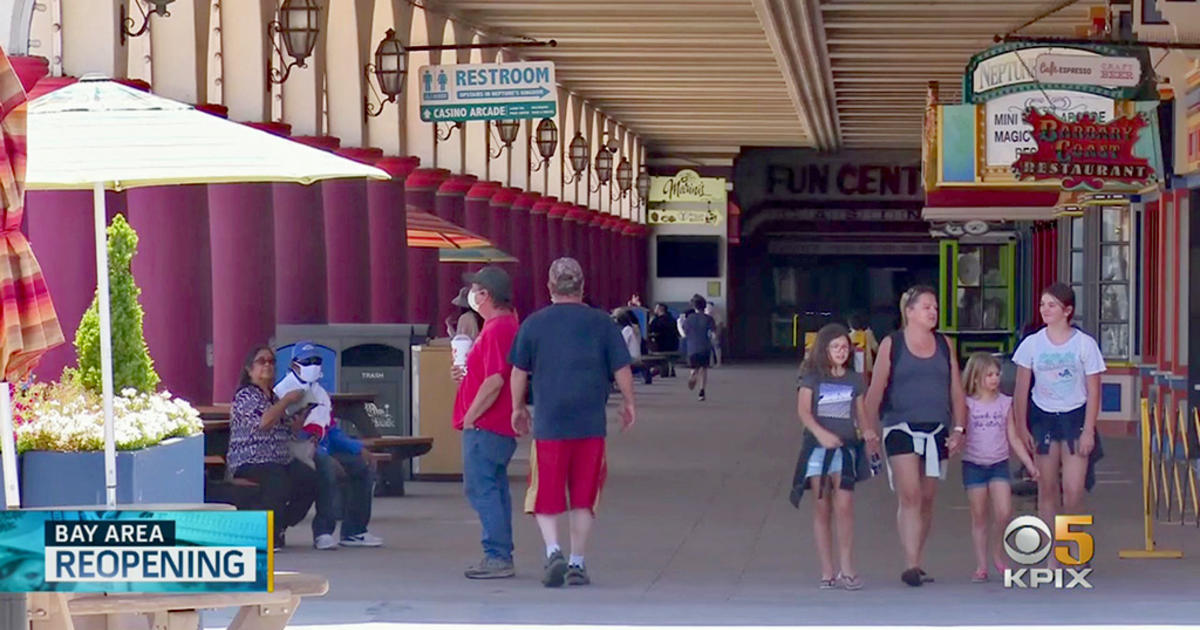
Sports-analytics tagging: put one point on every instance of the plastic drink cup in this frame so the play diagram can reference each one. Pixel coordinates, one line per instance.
(460, 345)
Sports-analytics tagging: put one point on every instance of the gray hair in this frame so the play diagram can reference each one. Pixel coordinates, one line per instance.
(566, 277)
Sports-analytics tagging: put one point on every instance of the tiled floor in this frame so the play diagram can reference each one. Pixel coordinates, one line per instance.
(696, 529)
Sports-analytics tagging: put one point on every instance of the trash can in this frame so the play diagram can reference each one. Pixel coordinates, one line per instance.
(370, 359)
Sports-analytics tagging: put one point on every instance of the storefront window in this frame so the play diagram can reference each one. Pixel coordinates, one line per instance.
(1114, 282)
(1078, 269)
(983, 291)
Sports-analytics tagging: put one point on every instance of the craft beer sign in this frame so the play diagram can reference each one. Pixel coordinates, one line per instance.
(1084, 152)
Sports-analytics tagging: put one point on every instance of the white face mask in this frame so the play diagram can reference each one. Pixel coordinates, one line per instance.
(473, 301)
(310, 373)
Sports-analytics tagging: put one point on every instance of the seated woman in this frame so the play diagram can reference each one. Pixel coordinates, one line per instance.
(259, 437)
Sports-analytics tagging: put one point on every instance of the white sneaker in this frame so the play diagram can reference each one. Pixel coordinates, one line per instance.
(365, 539)
(325, 542)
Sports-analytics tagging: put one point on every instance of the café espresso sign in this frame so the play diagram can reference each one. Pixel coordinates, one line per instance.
(1084, 153)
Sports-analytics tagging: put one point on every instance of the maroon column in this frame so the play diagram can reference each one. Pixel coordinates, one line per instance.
(389, 241)
(451, 197)
(539, 250)
(420, 190)
(595, 252)
(243, 277)
(477, 213)
(556, 230)
(500, 206)
(299, 228)
(520, 227)
(172, 269)
(348, 243)
(58, 225)
(612, 274)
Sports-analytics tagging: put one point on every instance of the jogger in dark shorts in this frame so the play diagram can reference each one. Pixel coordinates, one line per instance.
(698, 329)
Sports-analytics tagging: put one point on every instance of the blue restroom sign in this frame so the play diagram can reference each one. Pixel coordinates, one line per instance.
(490, 91)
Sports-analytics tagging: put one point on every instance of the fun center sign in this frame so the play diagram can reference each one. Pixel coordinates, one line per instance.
(1083, 152)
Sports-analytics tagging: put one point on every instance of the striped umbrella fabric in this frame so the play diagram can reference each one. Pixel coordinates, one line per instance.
(30, 325)
(430, 230)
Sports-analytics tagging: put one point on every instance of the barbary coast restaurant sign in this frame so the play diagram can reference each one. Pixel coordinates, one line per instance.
(1084, 152)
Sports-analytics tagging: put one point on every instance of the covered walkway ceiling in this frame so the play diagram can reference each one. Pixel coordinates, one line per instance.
(698, 79)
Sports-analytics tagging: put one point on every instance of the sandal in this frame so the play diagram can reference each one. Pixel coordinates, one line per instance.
(911, 577)
(850, 582)
(925, 577)
(830, 584)
(1000, 566)
(980, 576)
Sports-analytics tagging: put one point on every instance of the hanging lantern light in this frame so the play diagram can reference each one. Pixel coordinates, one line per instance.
(578, 153)
(624, 176)
(299, 24)
(508, 130)
(643, 185)
(391, 64)
(547, 138)
(603, 164)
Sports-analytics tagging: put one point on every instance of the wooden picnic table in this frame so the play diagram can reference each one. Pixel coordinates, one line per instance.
(175, 611)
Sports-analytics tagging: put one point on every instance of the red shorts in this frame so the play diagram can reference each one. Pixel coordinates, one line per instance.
(565, 473)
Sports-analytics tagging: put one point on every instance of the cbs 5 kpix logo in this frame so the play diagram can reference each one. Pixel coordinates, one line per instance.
(1028, 541)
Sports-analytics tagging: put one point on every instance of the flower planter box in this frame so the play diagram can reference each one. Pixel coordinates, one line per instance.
(171, 472)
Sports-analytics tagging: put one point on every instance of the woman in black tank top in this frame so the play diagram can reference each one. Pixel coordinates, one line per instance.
(918, 387)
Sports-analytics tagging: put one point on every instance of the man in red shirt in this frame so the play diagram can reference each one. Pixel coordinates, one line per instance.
(482, 411)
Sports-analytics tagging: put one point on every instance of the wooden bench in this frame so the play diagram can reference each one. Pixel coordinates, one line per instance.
(664, 361)
(176, 611)
(388, 453)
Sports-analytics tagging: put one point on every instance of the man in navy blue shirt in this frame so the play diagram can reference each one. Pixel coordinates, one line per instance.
(573, 352)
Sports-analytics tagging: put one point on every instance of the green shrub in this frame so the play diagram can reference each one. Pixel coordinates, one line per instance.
(132, 365)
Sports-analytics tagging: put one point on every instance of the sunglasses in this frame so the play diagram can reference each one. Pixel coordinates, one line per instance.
(264, 361)
(309, 361)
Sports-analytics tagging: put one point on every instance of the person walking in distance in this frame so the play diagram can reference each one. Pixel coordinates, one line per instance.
(1064, 365)
(482, 411)
(698, 330)
(918, 388)
(573, 352)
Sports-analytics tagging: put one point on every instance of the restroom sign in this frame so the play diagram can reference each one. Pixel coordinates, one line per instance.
(492, 91)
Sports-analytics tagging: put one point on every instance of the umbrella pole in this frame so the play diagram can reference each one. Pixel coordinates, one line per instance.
(106, 360)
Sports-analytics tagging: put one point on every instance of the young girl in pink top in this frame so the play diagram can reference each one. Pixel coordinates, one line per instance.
(991, 436)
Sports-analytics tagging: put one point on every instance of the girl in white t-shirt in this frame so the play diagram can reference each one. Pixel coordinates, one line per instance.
(1064, 364)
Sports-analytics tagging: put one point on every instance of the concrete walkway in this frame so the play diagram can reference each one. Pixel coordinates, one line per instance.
(696, 529)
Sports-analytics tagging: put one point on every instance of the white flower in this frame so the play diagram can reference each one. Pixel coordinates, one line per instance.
(139, 420)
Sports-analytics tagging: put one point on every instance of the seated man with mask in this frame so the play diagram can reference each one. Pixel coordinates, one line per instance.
(345, 482)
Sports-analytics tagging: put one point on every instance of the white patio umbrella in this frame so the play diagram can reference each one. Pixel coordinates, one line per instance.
(100, 135)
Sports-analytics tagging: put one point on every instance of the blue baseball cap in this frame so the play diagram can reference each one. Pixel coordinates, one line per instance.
(305, 350)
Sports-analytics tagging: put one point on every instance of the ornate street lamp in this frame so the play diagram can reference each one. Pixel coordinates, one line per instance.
(298, 26)
(643, 185)
(158, 7)
(507, 129)
(604, 167)
(578, 154)
(546, 137)
(624, 176)
(391, 64)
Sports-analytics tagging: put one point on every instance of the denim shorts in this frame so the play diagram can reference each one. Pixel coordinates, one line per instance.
(816, 460)
(1048, 427)
(977, 476)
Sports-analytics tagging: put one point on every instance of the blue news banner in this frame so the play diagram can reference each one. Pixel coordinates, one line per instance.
(135, 552)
